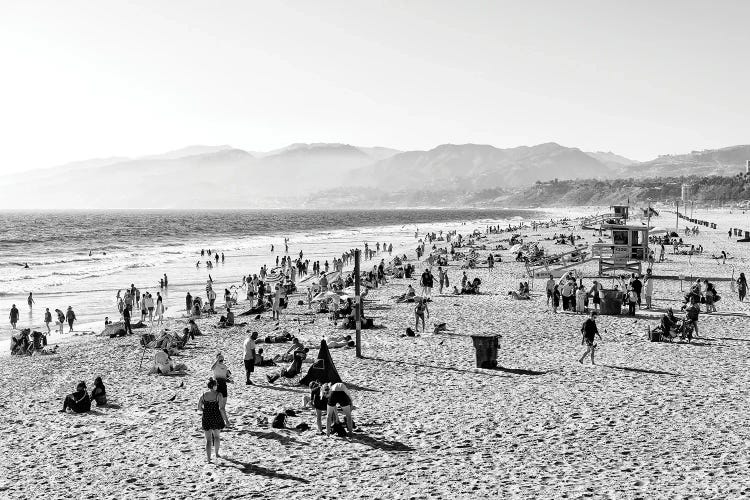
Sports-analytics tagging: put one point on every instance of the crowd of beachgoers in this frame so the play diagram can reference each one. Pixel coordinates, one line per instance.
(419, 306)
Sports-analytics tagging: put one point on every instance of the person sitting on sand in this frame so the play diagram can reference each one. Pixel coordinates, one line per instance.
(226, 322)
(194, 330)
(408, 296)
(668, 323)
(519, 296)
(79, 401)
(296, 346)
(338, 396)
(163, 364)
(294, 368)
(99, 394)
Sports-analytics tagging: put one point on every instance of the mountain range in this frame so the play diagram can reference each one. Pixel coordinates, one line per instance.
(323, 174)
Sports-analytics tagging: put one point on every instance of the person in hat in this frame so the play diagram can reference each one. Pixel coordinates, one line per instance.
(71, 317)
(221, 374)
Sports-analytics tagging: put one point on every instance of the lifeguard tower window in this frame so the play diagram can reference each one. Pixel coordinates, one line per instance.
(635, 241)
(620, 237)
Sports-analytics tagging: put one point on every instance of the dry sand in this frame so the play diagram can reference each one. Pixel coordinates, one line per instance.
(651, 420)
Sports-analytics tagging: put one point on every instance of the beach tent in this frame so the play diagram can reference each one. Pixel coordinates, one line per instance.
(322, 370)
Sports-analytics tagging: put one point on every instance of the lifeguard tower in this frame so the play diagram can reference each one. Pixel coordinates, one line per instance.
(620, 212)
(626, 252)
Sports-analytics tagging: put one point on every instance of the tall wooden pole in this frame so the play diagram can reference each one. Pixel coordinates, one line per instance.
(678, 214)
(357, 305)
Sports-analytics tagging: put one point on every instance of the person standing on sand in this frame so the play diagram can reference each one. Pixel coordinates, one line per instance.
(250, 356)
(211, 405)
(30, 301)
(221, 374)
(589, 332)
(126, 319)
(159, 309)
(550, 288)
(188, 302)
(440, 280)
(581, 300)
(71, 317)
(47, 319)
(60, 319)
(13, 316)
(419, 310)
(555, 299)
(166, 283)
(742, 287)
(276, 308)
(426, 282)
(648, 287)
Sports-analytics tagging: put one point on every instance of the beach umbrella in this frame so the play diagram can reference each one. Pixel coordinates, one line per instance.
(515, 248)
(326, 296)
(658, 230)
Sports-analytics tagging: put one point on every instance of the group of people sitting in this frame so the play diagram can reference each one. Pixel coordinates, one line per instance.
(670, 327)
(27, 343)
(468, 287)
(80, 401)
(522, 293)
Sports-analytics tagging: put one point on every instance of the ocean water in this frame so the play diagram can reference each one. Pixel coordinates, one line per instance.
(82, 258)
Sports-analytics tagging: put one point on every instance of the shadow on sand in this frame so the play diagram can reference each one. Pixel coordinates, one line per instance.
(381, 444)
(641, 370)
(248, 468)
(476, 371)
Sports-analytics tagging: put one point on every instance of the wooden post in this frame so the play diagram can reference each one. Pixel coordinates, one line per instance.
(678, 214)
(357, 305)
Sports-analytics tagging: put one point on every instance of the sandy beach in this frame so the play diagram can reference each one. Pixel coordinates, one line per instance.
(650, 420)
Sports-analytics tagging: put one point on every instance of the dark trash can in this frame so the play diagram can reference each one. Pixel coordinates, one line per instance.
(611, 302)
(486, 350)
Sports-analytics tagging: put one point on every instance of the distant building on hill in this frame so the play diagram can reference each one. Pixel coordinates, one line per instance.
(687, 192)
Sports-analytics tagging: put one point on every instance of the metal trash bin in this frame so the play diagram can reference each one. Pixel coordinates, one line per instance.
(611, 302)
(486, 350)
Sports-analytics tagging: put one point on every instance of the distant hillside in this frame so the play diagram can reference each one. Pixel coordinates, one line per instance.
(725, 162)
(611, 159)
(193, 177)
(323, 174)
(474, 166)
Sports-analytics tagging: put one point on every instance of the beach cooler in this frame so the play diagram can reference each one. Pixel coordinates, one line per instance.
(486, 350)
(611, 302)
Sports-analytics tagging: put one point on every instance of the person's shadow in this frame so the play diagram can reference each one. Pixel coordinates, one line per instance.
(248, 468)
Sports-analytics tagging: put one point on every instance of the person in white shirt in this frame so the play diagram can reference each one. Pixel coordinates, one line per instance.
(250, 356)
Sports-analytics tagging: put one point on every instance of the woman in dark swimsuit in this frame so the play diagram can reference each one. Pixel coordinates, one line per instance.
(214, 418)
(319, 402)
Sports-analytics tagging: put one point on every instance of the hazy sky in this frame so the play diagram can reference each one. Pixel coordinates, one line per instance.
(83, 79)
